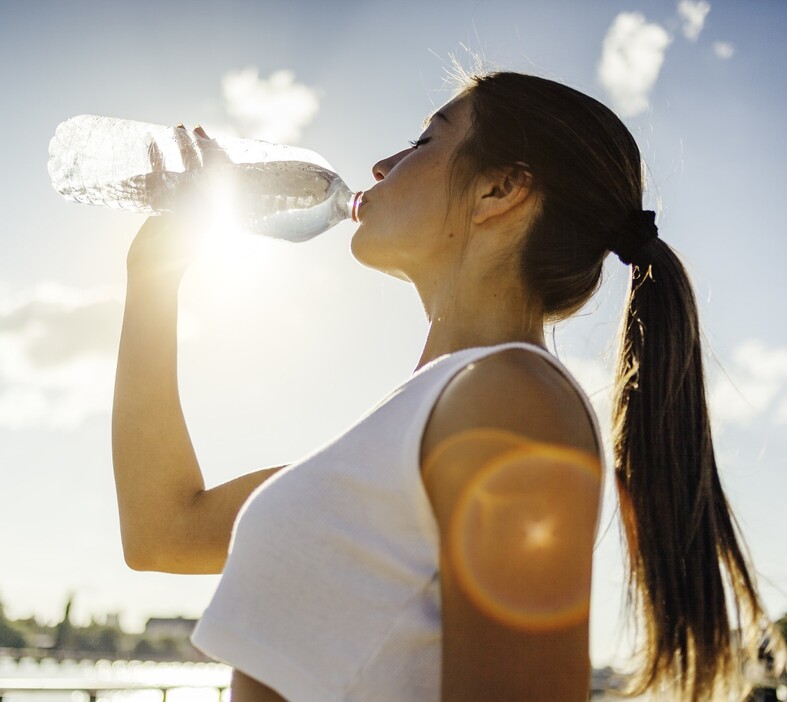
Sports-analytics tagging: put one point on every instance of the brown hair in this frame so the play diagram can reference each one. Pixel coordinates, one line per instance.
(684, 555)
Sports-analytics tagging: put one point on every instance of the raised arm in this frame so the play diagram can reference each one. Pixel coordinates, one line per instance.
(169, 521)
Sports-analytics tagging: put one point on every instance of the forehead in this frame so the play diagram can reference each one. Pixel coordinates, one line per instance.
(450, 113)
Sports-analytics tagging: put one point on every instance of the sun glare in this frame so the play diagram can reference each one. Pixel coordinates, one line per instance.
(231, 254)
(225, 237)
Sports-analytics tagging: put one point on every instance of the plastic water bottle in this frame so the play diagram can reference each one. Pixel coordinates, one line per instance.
(280, 191)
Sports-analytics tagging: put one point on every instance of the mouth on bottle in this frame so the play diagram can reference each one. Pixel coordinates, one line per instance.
(357, 200)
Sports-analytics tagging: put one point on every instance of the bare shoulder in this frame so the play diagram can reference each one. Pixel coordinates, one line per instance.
(517, 391)
(510, 464)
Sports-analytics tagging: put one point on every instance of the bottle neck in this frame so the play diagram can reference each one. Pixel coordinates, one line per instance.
(353, 205)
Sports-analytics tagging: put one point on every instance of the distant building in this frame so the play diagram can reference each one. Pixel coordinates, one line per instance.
(170, 628)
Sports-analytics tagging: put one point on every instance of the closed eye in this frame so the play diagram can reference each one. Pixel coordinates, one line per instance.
(420, 142)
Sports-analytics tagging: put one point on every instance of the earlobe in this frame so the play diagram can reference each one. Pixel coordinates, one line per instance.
(501, 193)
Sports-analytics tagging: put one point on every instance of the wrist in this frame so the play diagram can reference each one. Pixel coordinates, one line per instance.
(163, 250)
(159, 278)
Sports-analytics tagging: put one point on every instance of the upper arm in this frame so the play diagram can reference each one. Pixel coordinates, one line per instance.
(511, 467)
(199, 533)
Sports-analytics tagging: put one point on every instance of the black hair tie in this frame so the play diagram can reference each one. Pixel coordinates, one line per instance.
(638, 229)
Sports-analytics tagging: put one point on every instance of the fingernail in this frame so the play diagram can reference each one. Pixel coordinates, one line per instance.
(180, 125)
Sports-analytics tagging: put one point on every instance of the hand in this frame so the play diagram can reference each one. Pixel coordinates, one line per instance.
(196, 148)
(211, 152)
(167, 245)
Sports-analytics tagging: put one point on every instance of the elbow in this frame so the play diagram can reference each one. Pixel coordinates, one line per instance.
(152, 543)
(147, 561)
(139, 558)
(176, 544)
(135, 563)
(166, 556)
(147, 554)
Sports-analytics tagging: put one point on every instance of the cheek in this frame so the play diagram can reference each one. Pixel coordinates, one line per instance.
(414, 175)
(421, 201)
(402, 193)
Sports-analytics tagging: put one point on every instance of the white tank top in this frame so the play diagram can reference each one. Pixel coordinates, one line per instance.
(331, 589)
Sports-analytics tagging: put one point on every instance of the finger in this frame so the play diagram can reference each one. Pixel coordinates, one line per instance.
(155, 157)
(189, 151)
(213, 153)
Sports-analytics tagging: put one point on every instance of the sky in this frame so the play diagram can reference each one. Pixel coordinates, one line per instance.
(283, 346)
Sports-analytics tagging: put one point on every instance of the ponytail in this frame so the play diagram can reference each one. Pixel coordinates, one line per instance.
(685, 561)
(682, 543)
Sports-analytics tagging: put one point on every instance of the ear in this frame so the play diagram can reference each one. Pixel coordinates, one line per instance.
(501, 192)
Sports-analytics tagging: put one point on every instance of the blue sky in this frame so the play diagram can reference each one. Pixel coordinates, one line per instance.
(286, 345)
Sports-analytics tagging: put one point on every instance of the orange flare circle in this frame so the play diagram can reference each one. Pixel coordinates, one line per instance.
(521, 555)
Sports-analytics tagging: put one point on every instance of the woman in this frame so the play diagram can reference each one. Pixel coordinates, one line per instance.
(441, 548)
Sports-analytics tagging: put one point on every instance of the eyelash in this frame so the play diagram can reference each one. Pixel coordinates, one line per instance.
(419, 142)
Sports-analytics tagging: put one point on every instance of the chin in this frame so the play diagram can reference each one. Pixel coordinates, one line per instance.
(368, 254)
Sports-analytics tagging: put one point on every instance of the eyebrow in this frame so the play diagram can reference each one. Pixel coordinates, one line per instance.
(431, 117)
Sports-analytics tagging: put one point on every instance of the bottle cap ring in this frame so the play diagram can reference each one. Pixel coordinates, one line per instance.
(356, 205)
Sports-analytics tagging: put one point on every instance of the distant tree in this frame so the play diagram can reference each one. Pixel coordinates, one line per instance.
(64, 631)
(10, 636)
(168, 646)
(95, 638)
(143, 649)
(109, 639)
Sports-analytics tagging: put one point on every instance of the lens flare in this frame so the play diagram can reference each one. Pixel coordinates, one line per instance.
(520, 536)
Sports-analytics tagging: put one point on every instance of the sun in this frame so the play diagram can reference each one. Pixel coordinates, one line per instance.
(227, 239)
(232, 257)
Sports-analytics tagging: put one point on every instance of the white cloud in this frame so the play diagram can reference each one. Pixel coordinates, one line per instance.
(275, 109)
(780, 415)
(751, 387)
(693, 14)
(632, 55)
(754, 386)
(57, 324)
(596, 376)
(57, 349)
(723, 49)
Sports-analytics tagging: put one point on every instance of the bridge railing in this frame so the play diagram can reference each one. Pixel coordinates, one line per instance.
(94, 688)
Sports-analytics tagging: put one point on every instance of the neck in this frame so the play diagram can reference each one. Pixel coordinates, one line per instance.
(478, 315)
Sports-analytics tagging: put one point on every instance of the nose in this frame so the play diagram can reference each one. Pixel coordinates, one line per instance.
(381, 169)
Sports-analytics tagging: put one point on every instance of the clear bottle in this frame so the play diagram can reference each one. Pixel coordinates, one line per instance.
(280, 191)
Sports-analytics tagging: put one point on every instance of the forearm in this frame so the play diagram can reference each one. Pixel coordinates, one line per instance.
(157, 474)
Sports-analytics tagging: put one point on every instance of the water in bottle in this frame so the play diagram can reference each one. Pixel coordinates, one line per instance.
(281, 191)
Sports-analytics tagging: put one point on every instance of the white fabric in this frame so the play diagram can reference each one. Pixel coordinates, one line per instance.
(331, 589)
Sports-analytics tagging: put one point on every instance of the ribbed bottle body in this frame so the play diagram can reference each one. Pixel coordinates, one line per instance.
(272, 189)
